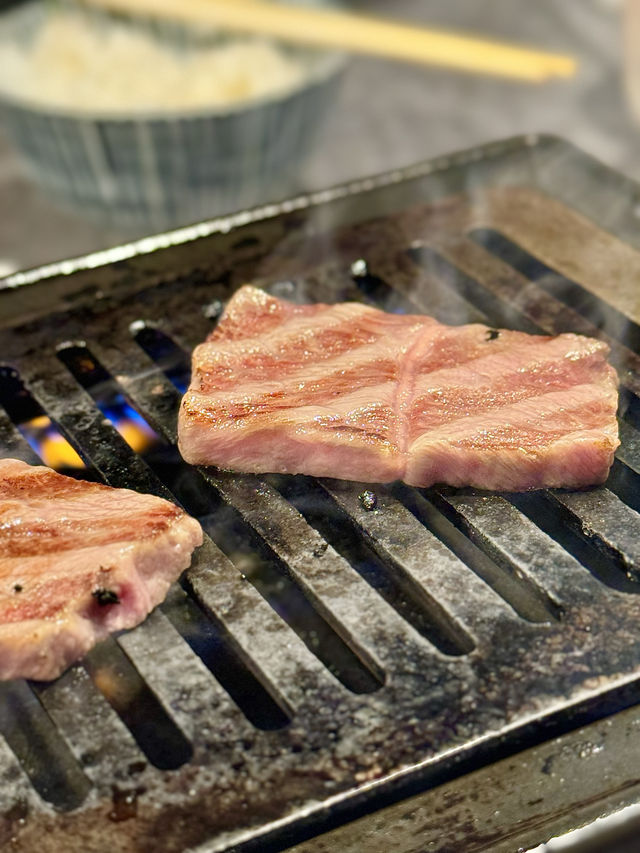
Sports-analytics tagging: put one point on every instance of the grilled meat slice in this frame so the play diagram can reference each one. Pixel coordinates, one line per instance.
(77, 561)
(352, 392)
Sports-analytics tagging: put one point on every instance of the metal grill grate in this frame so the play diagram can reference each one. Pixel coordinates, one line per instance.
(319, 655)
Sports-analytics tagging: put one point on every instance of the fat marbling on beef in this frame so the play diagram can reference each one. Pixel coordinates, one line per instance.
(352, 392)
(77, 561)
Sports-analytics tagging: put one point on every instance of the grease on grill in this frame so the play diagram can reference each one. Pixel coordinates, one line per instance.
(368, 499)
(359, 267)
(125, 803)
(212, 309)
(12, 820)
(283, 289)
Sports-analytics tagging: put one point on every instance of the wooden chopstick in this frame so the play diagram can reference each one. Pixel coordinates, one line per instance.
(334, 28)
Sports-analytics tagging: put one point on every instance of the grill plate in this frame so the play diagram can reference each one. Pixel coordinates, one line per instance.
(450, 625)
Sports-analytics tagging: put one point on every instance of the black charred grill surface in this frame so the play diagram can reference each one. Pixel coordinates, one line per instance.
(334, 645)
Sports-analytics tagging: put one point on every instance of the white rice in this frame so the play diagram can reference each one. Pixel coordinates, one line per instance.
(73, 63)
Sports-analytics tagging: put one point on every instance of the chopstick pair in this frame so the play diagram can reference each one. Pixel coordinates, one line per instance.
(335, 28)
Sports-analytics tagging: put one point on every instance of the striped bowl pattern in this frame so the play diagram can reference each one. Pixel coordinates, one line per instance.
(162, 170)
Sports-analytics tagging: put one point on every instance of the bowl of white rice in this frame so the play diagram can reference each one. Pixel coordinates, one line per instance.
(154, 125)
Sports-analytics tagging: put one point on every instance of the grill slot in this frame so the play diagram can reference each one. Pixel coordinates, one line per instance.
(475, 290)
(501, 532)
(600, 564)
(399, 539)
(159, 454)
(270, 575)
(624, 482)
(629, 451)
(536, 309)
(601, 518)
(92, 376)
(527, 600)
(179, 680)
(422, 288)
(316, 568)
(243, 613)
(14, 444)
(169, 357)
(603, 316)
(45, 758)
(213, 646)
(630, 409)
(377, 292)
(156, 734)
(391, 581)
(103, 745)
(35, 426)
(449, 624)
(86, 429)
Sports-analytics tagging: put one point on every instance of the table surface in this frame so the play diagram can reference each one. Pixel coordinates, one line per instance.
(388, 114)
